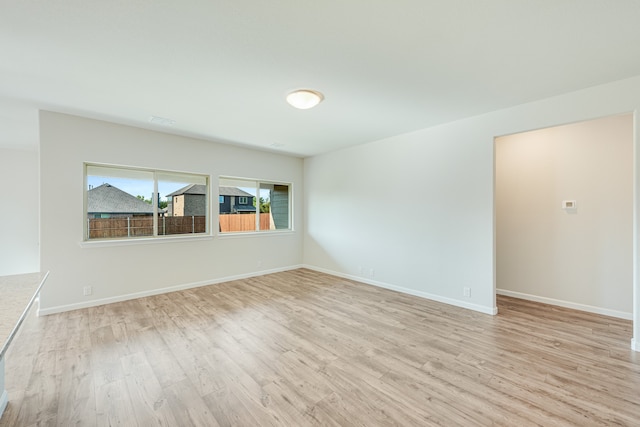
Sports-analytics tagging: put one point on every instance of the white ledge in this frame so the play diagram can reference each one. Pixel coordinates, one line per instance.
(100, 243)
(237, 234)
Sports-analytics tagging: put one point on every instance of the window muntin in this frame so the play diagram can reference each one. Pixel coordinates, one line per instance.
(124, 203)
(254, 205)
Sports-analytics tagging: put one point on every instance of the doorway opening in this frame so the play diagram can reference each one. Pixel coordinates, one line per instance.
(564, 215)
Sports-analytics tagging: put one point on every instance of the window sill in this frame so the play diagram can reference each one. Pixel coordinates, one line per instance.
(239, 234)
(142, 241)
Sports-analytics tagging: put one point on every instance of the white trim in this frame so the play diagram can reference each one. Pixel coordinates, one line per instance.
(126, 297)
(257, 181)
(236, 234)
(155, 195)
(457, 303)
(4, 400)
(101, 243)
(567, 304)
(635, 345)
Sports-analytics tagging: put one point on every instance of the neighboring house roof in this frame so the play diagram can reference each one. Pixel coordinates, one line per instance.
(202, 189)
(190, 189)
(233, 191)
(109, 199)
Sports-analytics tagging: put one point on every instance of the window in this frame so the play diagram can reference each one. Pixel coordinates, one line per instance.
(124, 203)
(252, 205)
(221, 199)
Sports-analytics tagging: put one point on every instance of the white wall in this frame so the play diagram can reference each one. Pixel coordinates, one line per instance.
(443, 175)
(580, 258)
(120, 272)
(419, 207)
(19, 251)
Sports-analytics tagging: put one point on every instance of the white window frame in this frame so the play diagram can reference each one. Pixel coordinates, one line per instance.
(157, 174)
(258, 183)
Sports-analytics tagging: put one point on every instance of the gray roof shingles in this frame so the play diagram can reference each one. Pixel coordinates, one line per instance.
(202, 189)
(109, 199)
(190, 189)
(233, 191)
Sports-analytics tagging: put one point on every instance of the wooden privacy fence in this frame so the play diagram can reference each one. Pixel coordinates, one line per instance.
(181, 225)
(140, 226)
(243, 222)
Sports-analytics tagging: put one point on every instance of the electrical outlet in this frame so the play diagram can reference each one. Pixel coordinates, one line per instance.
(259, 263)
(87, 290)
(466, 292)
(360, 270)
(372, 272)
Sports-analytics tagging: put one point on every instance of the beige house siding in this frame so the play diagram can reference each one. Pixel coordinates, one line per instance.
(178, 205)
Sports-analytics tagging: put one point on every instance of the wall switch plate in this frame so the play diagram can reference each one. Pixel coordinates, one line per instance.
(87, 290)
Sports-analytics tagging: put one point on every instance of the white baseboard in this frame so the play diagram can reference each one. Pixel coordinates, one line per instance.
(426, 295)
(567, 304)
(635, 345)
(126, 297)
(4, 400)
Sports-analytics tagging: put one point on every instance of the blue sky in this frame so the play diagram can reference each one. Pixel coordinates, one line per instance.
(136, 187)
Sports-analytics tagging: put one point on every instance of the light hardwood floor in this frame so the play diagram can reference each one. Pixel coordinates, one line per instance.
(303, 348)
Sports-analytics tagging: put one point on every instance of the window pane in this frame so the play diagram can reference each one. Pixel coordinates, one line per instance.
(182, 177)
(182, 204)
(116, 172)
(118, 203)
(238, 206)
(122, 202)
(248, 205)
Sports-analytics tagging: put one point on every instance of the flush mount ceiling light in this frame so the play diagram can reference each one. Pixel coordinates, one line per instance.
(304, 98)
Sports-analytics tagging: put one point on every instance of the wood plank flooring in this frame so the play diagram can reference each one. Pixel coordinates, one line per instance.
(301, 348)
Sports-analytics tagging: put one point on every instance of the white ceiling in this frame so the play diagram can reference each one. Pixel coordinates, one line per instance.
(221, 68)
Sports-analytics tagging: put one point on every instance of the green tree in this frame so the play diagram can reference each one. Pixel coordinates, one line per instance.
(265, 205)
(162, 204)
